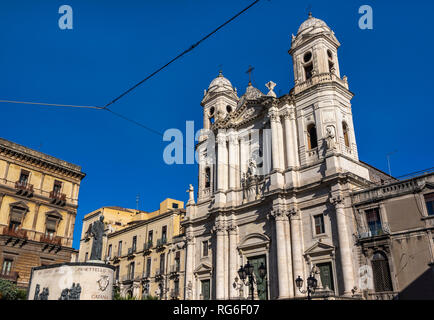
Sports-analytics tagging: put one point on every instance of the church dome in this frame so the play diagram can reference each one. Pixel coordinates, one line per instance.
(220, 84)
(312, 22)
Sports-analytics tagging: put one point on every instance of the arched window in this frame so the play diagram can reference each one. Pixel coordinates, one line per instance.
(207, 177)
(312, 141)
(346, 134)
(381, 273)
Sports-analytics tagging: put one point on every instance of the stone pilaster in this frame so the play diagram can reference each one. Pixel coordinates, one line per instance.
(189, 263)
(233, 259)
(275, 121)
(220, 232)
(222, 169)
(233, 165)
(282, 273)
(344, 244)
(296, 246)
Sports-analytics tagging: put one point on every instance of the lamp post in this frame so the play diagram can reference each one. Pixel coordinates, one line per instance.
(311, 285)
(246, 272)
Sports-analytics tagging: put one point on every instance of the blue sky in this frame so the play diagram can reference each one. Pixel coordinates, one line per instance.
(114, 44)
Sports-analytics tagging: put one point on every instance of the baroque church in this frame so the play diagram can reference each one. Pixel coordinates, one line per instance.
(275, 178)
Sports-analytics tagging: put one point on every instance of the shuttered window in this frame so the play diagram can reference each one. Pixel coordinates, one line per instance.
(381, 272)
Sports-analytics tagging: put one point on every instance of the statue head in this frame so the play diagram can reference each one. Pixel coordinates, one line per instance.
(101, 218)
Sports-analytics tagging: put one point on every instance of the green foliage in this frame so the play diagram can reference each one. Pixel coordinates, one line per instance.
(9, 291)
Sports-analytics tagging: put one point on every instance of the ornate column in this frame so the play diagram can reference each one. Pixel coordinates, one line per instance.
(282, 273)
(233, 259)
(244, 153)
(291, 145)
(189, 263)
(281, 144)
(289, 257)
(220, 232)
(297, 247)
(344, 244)
(274, 120)
(233, 163)
(222, 163)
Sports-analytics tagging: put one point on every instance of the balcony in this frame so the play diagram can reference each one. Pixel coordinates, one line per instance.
(24, 189)
(390, 295)
(368, 233)
(161, 243)
(127, 278)
(159, 275)
(147, 248)
(174, 294)
(15, 233)
(174, 271)
(58, 198)
(131, 252)
(51, 240)
(146, 276)
(11, 276)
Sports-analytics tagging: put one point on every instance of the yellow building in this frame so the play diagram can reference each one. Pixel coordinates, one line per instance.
(38, 206)
(147, 248)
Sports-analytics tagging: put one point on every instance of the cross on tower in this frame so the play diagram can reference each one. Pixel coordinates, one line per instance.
(249, 71)
(309, 10)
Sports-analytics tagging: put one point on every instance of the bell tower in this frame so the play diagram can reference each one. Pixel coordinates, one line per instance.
(324, 115)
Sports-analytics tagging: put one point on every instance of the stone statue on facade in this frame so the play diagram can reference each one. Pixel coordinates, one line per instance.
(330, 137)
(317, 274)
(190, 194)
(97, 233)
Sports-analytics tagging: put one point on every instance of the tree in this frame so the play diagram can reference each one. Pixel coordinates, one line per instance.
(9, 291)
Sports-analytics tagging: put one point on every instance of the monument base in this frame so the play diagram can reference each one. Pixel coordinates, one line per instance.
(92, 280)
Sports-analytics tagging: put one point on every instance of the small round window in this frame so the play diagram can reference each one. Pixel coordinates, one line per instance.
(307, 57)
(229, 109)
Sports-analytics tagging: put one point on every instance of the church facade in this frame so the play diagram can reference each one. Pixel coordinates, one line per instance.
(275, 179)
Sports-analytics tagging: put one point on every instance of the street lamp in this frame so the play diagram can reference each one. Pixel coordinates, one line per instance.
(311, 285)
(247, 271)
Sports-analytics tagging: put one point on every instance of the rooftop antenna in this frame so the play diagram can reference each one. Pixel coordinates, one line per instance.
(388, 160)
(249, 71)
(137, 201)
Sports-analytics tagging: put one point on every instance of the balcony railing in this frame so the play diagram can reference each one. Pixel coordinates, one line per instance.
(161, 243)
(381, 230)
(131, 252)
(318, 79)
(11, 276)
(24, 188)
(128, 277)
(390, 295)
(174, 294)
(16, 233)
(58, 198)
(159, 274)
(51, 240)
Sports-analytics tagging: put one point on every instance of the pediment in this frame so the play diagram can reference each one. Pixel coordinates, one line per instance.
(320, 248)
(204, 267)
(254, 240)
(54, 214)
(20, 205)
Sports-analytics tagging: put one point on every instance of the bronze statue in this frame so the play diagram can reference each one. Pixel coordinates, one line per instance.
(97, 233)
